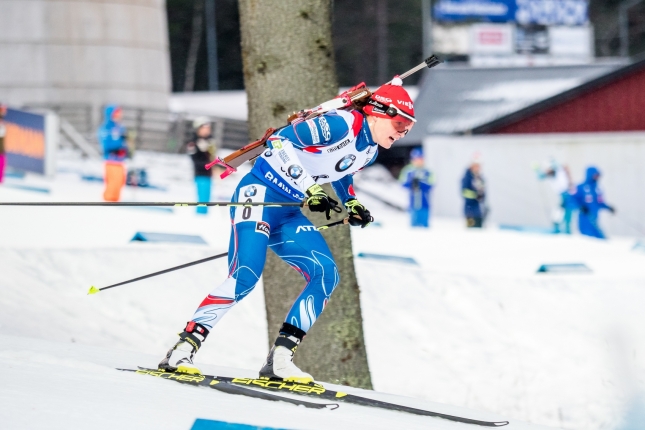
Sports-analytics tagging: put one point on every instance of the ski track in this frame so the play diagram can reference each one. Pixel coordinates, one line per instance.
(472, 326)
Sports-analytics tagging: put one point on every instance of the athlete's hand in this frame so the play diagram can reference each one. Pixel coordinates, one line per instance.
(319, 201)
(358, 214)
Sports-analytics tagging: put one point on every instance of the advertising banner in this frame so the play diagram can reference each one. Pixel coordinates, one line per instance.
(542, 12)
(532, 39)
(484, 10)
(571, 41)
(491, 39)
(30, 141)
(552, 12)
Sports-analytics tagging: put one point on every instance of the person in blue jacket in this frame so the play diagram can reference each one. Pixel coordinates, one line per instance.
(328, 148)
(113, 139)
(589, 198)
(419, 180)
(473, 190)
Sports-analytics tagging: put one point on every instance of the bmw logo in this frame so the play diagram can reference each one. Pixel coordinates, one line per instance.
(295, 171)
(250, 191)
(345, 162)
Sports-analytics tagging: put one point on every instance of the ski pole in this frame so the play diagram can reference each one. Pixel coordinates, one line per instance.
(429, 62)
(94, 290)
(179, 204)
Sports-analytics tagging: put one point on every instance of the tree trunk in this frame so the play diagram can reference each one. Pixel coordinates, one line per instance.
(288, 65)
(193, 49)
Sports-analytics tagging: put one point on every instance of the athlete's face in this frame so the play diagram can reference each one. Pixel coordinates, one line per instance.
(386, 131)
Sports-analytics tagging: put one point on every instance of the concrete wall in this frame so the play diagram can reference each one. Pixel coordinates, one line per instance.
(84, 51)
(515, 196)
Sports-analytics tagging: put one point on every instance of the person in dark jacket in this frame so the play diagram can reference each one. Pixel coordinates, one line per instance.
(474, 193)
(201, 148)
(589, 199)
(419, 180)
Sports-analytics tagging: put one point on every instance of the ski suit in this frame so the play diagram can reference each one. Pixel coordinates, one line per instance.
(473, 192)
(558, 176)
(419, 181)
(328, 148)
(589, 198)
(112, 138)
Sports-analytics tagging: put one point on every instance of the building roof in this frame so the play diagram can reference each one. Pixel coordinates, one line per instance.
(586, 107)
(457, 99)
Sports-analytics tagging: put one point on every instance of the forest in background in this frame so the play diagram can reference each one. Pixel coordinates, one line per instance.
(356, 39)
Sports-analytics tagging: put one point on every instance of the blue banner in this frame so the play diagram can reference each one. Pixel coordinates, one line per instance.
(552, 12)
(479, 10)
(543, 12)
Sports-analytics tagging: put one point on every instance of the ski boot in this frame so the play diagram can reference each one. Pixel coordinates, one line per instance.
(180, 357)
(279, 363)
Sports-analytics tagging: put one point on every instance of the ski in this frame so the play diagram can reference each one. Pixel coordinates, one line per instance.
(318, 391)
(226, 387)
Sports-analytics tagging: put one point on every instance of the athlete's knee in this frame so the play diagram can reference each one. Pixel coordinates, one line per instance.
(330, 275)
(235, 288)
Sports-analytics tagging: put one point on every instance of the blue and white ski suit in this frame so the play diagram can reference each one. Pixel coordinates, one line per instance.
(329, 148)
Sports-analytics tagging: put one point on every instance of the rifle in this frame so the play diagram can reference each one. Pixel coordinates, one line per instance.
(354, 98)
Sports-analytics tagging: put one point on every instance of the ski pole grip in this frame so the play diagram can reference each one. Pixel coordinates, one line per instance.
(432, 61)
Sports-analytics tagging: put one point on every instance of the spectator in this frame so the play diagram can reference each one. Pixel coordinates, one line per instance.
(3, 132)
(113, 139)
(560, 178)
(201, 148)
(474, 192)
(589, 199)
(419, 181)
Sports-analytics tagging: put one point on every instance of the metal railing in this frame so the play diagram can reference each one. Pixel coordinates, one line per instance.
(154, 130)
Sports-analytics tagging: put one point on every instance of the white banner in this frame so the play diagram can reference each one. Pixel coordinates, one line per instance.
(491, 39)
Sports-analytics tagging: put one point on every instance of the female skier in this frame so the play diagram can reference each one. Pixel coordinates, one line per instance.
(328, 148)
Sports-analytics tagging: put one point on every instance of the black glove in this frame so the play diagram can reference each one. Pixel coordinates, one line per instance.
(319, 201)
(611, 209)
(358, 215)
(584, 209)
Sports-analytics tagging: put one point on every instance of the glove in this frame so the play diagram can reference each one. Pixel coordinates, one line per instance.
(584, 209)
(358, 215)
(611, 209)
(319, 201)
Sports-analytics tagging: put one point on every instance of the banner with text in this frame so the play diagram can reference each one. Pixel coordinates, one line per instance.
(542, 12)
(30, 141)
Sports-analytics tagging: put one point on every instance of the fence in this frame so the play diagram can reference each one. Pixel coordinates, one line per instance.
(154, 130)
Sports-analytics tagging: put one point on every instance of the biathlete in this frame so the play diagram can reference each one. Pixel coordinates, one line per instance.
(299, 158)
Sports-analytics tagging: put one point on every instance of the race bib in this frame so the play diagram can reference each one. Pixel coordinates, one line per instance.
(247, 194)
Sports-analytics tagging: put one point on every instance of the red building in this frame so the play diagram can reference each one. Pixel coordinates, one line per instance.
(612, 102)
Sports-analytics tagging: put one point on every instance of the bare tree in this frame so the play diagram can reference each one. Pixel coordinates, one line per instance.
(288, 63)
(193, 49)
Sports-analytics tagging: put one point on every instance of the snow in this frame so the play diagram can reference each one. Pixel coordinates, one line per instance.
(471, 330)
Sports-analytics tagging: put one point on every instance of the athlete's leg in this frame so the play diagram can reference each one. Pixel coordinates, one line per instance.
(247, 251)
(246, 254)
(304, 248)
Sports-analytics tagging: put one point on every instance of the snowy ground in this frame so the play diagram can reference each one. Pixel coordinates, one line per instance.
(472, 325)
